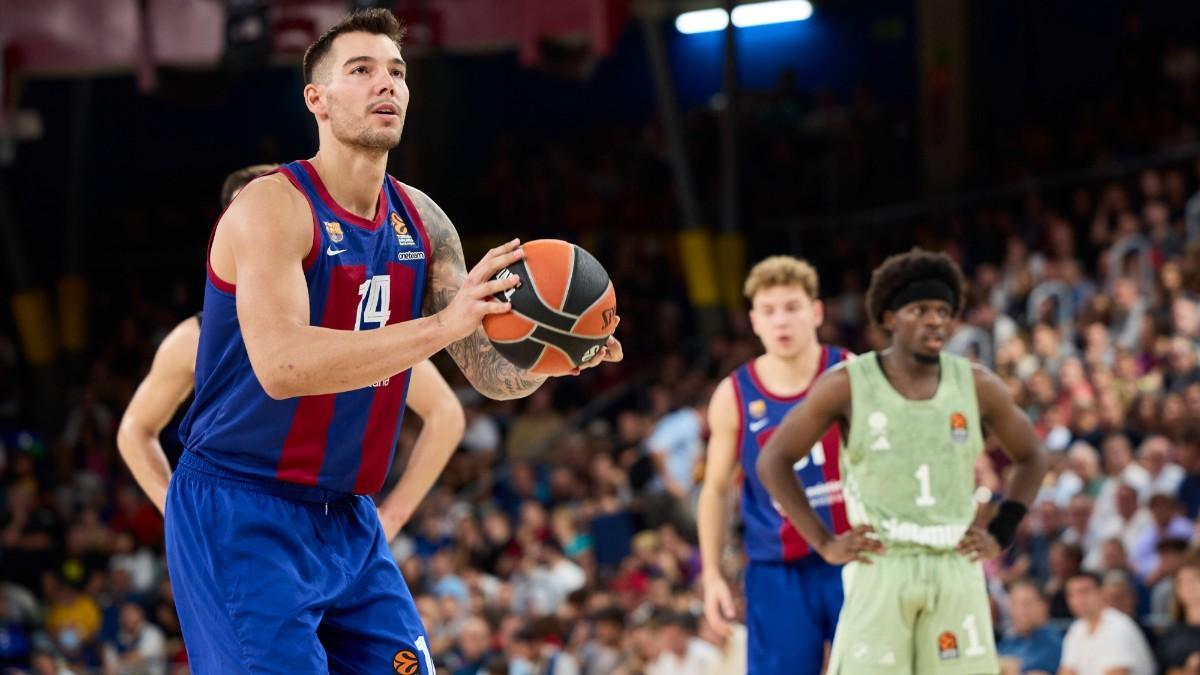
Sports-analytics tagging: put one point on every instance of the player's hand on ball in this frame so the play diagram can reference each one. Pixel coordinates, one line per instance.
(849, 546)
(474, 300)
(611, 352)
(718, 605)
(978, 544)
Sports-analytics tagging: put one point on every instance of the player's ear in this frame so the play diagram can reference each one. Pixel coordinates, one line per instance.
(314, 99)
(818, 311)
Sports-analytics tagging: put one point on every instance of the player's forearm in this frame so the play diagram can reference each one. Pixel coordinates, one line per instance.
(439, 437)
(775, 471)
(712, 523)
(1026, 478)
(310, 360)
(144, 456)
(489, 372)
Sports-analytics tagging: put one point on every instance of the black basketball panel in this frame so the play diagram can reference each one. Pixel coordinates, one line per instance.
(588, 282)
(523, 354)
(578, 349)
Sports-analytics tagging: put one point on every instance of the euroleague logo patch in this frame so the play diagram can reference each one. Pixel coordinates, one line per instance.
(405, 662)
(958, 427)
(947, 646)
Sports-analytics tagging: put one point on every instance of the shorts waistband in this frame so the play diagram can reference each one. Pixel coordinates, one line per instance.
(193, 465)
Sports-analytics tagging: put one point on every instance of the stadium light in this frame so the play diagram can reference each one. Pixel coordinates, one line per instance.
(753, 14)
(763, 13)
(702, 21)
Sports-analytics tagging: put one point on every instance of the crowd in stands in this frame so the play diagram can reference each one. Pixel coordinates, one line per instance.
(561, 538)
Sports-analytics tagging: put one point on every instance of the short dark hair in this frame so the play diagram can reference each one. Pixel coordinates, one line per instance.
(237, 180)
(1086, 574)
(900, 270)
(374, 21)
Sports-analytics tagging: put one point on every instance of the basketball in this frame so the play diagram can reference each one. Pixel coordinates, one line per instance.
(562, 313)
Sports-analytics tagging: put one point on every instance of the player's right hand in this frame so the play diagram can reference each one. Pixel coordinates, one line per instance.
(850, 545)
(475, 299)
(718, 605)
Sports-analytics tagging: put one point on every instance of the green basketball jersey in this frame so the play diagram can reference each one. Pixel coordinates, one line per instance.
(908, 467)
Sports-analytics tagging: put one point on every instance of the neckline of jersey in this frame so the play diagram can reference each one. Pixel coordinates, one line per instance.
(937, 395)
(753, 370)
(381, 208)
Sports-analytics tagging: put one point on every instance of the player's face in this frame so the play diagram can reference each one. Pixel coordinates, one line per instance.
(921, 328)
(366, 97)
(785, 319)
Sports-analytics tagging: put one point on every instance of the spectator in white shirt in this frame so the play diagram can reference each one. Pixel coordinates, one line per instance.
(1155, 457)
(683, 653)
(1102, 640)
(1121, 469)
(140, 647)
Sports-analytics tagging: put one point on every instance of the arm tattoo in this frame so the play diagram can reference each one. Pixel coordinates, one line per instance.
(484, 367)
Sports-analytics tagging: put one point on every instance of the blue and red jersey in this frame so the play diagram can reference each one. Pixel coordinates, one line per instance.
(361, 275)
(769, 535)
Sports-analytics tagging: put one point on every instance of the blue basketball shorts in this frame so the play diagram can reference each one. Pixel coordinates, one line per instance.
(271, 577)
(791, 612)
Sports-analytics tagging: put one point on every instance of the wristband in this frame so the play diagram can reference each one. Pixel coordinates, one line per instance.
(1004, 526)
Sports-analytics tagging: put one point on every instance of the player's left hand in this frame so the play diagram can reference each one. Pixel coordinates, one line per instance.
(978, 544)
(611, 352)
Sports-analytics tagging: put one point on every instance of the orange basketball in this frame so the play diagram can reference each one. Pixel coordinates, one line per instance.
(562, 314)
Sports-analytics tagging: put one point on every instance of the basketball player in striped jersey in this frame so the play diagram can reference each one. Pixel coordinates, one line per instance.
(328, 281)
(172, 376)
(792, 596)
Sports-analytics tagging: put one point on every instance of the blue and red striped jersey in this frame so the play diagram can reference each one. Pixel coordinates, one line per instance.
(769, 535)
(361, 275)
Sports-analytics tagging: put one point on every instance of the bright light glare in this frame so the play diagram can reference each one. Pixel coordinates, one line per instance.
(702, 21)
(754, 14)
(762, 13)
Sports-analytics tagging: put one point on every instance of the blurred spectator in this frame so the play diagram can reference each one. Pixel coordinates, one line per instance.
(682, 651)
(603, 654)
(1168, 524)
(1189, 487)
(1101, 639)
(1179, 647)
(1155, 457)
(1030, 643)
(139, 648)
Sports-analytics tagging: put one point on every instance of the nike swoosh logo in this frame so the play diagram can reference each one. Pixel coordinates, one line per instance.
(334, 251)
(755, 426)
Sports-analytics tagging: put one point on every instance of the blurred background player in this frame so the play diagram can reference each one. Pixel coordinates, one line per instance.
(792, 597)
(913, 418)
(172, 375)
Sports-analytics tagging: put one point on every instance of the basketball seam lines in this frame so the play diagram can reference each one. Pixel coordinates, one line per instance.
(552, 346)
(582, 336)
(589, 308)
(567, 288)
(543, 300)
(524, 337)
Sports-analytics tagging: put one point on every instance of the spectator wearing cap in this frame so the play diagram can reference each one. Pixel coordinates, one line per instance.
(1030, 644)
(1101, 639)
